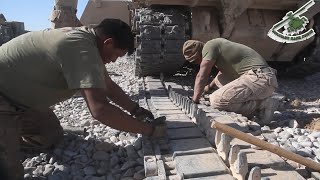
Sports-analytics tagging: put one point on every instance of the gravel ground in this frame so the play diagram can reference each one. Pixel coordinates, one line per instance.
(302, 102)
(106, 153)
(296, 126)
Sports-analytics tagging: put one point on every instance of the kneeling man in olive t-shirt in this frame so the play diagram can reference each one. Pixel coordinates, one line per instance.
(244, 83)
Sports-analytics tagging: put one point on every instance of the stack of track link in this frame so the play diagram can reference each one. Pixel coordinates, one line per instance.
(160, 37)
(194, 150)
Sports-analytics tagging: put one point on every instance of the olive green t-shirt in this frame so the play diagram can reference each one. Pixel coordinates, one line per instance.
(39, 69)
(232, 59)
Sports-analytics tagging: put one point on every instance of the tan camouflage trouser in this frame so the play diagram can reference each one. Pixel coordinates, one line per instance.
(64, 18)
(244, 95)
(27, 128)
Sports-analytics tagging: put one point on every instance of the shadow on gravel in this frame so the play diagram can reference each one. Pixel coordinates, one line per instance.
(68, 151)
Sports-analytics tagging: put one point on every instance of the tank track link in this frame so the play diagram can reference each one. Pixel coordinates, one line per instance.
(194, 150)
(161, 33)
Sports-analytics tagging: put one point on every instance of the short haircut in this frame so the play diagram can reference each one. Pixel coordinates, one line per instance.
(120, 32)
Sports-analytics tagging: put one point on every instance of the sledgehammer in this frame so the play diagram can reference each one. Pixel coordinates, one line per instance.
(266, 146)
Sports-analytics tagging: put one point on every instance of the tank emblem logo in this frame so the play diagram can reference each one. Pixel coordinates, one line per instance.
(291, 25)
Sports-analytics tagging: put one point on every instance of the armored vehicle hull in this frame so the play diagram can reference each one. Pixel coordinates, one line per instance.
(163, 25)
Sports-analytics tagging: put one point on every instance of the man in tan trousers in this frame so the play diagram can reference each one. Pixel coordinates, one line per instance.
(244, 83)
(64, 14)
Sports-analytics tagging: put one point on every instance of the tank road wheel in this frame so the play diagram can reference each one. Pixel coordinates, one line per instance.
(308, 62)
(161, 33)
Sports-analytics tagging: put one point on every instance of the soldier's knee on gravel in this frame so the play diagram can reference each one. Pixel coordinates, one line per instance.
(24, 129)
(40, 129)
(10, 166)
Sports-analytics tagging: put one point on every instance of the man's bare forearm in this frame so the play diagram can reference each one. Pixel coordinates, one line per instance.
(200, 83)
(213, 85)
(118, 96)
(117, 119)
(111, 115)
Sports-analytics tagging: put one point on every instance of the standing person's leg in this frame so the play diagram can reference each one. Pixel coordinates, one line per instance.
(40, 129)
(10, 165)
(243, 95)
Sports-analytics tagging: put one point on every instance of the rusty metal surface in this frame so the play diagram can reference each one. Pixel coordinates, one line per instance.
(243, 21)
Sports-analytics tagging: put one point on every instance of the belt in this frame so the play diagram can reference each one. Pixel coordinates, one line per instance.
(265, 70)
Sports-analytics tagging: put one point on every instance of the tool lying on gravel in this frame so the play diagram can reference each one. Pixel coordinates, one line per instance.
(266, 146)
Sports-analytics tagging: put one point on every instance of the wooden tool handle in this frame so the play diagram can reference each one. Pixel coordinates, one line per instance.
(266, 146)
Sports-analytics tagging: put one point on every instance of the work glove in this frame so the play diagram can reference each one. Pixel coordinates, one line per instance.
(142, 114)
(159, 127)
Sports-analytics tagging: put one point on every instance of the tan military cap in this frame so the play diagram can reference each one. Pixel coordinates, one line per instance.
(192, 50)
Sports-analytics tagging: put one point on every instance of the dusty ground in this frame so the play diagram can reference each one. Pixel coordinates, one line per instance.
(302, 102)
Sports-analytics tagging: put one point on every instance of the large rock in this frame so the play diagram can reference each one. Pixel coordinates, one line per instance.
(304, 152)
(104, 146)
(129, 173)
(38, 171)
(293, 123)
(297, 145)
(128, 164)
(315, 134)
(101, 156)
(139, 175)
(48, 169)
(303, 139)
(89, 170)
(285, 135)
(306, 144)
(114, 161)
(138, 143)
(131, 152)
